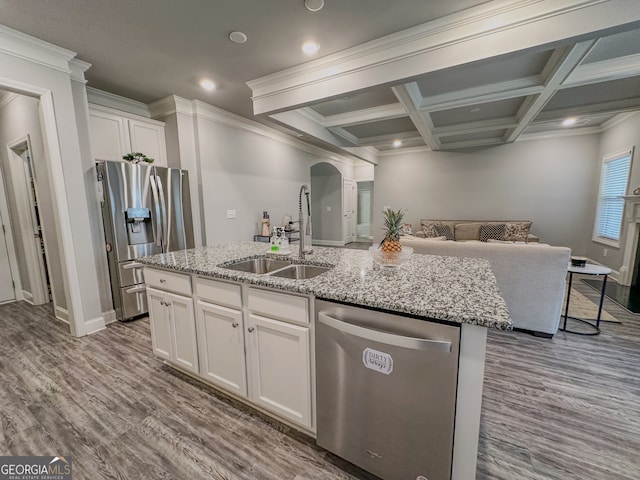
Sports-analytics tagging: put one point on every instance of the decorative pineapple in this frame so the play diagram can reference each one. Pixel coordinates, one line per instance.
(391, 246)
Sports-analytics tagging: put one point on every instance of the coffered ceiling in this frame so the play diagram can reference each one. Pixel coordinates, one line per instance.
(494, 100)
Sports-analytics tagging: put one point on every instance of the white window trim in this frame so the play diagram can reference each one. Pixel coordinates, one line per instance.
(595, 237)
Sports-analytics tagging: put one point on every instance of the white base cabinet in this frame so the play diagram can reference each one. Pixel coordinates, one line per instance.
(278, 356)
(221, 346)
(252, 342)
(172, 318)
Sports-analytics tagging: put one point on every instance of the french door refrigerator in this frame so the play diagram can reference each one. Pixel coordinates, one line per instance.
(145, 210)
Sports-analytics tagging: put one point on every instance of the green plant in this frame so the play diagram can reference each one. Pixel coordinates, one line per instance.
(137, 157)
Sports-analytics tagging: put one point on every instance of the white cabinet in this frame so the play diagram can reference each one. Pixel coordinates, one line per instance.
(221, 346)
(278, 343)
(172, 318)
(115, 133)
(278, 356)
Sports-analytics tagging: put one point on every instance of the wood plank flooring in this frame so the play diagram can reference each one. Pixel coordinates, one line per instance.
(566, 408)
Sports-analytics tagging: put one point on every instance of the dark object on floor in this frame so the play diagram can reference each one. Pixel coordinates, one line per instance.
(626, 297)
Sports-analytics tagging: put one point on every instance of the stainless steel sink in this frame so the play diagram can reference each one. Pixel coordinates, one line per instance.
(300, 272)
(259, 265)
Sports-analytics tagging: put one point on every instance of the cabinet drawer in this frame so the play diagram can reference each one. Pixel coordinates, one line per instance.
(290, 308)
(220, 293)
(170, 281)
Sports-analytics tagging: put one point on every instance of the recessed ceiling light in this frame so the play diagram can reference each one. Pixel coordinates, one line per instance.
(314, 5)
(569, 121)
(238, 37)
(310, 47)
(207, 84)
(397, 143)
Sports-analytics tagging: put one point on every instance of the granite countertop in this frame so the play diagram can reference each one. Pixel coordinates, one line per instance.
(459, 290)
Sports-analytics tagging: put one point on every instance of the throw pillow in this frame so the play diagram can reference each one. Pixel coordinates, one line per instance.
(443, 231)
(429, 230)
(517, 232)
(406, 229)
(492, 230)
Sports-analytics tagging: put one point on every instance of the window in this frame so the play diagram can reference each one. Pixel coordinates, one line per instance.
(614, 178)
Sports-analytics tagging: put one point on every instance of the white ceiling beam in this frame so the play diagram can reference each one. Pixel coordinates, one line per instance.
(366, 115)
(484, 142)
(475, 127)
(491, 29)
(422, 124)
(388, 138)
(603, 71)
(348, 136)
(483, 94)
(616, 106)
(558, 68)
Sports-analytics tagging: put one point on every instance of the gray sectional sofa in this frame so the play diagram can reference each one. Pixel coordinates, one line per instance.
(531, 276)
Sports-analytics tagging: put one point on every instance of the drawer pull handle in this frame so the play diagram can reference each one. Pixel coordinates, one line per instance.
(162, 280)
(251, 329)
(234, 324)
(131, 265)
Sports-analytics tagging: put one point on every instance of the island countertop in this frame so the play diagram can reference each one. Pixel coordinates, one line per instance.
(454, 289)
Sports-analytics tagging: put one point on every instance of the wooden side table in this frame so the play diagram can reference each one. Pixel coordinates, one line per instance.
(586, 270)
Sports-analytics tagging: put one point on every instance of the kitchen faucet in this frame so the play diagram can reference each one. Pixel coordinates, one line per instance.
(304, 231)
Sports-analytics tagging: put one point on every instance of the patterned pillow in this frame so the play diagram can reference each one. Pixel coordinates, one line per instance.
(429, 230)
(517, 232)
(492, 230)
(443, 231)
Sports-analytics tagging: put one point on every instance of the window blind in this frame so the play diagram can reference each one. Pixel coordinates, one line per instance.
(613, 185)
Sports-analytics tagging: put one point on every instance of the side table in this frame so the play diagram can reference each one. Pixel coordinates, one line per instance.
(586, 270)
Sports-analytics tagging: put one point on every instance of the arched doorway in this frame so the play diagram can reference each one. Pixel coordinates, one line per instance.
(326, 205)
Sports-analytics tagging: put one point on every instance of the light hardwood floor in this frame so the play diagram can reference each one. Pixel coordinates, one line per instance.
(566, 408)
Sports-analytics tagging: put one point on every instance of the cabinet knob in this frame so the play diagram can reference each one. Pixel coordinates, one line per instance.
(162, 280)
(251, 329)
(234, 324)
(162, 303)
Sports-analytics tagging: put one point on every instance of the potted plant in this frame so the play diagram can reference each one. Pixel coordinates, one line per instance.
(137, 157)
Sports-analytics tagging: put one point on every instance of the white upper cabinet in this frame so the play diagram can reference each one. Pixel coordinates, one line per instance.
(115, 133)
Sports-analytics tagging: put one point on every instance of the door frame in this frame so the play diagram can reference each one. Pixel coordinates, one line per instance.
(349, 189)
(35, 263)
(5, 220)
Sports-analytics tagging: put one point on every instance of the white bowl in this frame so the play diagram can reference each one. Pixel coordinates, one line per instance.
(390, 260)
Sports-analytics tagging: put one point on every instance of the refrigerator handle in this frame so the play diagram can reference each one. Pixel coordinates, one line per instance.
(156, 203)
(165, 226)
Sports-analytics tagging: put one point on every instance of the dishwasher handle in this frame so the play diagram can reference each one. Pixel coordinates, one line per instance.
(413, 343)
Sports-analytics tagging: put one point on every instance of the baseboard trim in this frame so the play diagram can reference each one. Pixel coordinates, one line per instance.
(27, 297)
(328, 243)
(94, 325)
(615, 274)
(62, 314)
(109, 317)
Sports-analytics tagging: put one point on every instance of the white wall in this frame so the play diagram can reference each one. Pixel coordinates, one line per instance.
(621, 137)
(547, 181)
(248, 168)
(47, 75)
(19, 118)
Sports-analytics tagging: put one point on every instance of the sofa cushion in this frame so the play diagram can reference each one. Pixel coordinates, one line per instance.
(444, 231)
(492, 230)
(467, 231)
(517, 231)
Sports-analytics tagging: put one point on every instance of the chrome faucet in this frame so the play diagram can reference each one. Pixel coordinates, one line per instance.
(304, 230)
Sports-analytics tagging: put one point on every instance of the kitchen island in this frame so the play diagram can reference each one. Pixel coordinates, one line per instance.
(253, 335)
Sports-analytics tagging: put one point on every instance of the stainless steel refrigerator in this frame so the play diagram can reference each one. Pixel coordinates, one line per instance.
(145, 210)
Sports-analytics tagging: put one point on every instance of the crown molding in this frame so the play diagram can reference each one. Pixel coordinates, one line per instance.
(26, 47)
(111, 100)
(617, 120)
(218, 115)
(170, 105)
(78, 67)
(7, 98)
(570, 132)
(403, 151)
(494, 28)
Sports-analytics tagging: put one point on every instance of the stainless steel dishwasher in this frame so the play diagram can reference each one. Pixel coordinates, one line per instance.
(386, 391)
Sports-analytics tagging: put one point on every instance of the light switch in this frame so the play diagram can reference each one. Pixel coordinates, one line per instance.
(231, 214)
(328, 208)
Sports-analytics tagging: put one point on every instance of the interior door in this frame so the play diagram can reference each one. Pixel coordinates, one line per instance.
(7, 291)
(350, 195)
